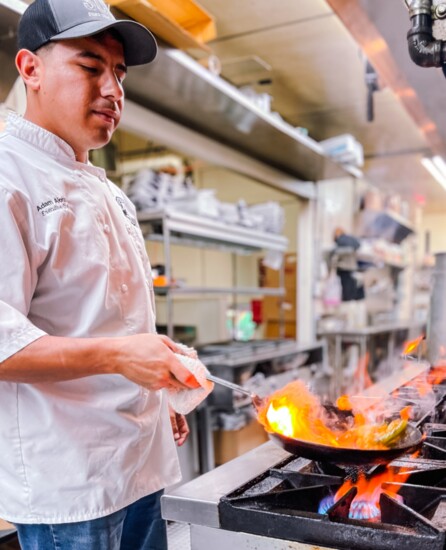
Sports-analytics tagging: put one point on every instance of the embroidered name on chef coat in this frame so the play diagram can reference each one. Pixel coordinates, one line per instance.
(53, 205)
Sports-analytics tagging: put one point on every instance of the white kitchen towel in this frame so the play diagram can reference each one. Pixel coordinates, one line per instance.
(185, 401)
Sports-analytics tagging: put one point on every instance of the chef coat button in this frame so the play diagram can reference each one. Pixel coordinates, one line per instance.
(124, 288)
(107, 228)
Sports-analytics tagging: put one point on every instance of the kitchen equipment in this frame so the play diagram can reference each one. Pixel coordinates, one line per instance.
(256, 400)
(341, 455)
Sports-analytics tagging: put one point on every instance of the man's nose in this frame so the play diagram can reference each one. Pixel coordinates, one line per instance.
(111, 86)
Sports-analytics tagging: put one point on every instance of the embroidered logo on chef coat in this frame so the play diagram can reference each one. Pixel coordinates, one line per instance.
(127, 214)
(52, 205)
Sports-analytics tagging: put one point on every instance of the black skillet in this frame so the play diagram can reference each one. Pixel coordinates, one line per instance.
(340, 455)
(325, 453)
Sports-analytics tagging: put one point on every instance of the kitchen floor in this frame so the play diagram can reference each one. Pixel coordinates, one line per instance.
(178, 536)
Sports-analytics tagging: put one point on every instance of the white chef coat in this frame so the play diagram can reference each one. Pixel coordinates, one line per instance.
(73, 263)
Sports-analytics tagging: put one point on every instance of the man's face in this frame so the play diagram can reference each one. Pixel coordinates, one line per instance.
(80, 97)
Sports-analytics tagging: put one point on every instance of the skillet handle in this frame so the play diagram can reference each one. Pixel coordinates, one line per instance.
(227, 384)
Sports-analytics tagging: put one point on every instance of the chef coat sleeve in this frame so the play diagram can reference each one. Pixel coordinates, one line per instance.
(18, 276)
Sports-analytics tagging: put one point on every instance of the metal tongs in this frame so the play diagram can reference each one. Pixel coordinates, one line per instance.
(257, 401)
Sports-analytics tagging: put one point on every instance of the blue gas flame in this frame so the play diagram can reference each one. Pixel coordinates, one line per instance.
(361, 509)
(325, 504)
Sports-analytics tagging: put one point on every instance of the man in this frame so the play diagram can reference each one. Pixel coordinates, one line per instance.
(347, 268)
(85, 435)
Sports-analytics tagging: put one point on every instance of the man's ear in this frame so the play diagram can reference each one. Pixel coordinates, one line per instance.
(29, 66)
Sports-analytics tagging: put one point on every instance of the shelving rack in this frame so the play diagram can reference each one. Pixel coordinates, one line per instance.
(174, 227)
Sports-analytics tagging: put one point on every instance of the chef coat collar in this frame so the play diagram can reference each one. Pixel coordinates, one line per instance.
(48, 142)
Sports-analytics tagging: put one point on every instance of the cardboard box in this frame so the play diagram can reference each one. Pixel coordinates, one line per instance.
(182, 24)
(271, 308)
(233, 443)
(271, 277)
(272, 329)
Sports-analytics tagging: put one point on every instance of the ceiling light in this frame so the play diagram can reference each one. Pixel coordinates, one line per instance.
(436, 166)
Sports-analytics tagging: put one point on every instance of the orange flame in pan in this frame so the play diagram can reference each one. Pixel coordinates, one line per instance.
(412, 345)
(436, 375)
(296, 413)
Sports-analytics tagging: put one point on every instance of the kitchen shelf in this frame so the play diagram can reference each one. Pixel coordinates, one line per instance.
(374, 259)
(384, 224)
(191, 230)
(173, 227)
(378, 262)
(179, 88)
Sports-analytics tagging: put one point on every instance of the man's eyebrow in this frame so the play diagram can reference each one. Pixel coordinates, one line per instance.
(91, 55)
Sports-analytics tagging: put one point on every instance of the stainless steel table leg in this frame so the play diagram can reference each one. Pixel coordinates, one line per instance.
(205, 439)
(337, 382)
(363, 357)
(390, 352)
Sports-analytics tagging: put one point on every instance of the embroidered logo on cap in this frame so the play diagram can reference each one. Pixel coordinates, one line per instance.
(97, 8)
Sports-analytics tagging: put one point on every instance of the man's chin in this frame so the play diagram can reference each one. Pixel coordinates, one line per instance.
(102, 139)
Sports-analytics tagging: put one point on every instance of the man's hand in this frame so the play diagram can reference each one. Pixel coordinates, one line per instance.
(180, 427)
(149, 360)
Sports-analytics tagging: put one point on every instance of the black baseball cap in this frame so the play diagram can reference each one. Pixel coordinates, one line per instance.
(52, 20)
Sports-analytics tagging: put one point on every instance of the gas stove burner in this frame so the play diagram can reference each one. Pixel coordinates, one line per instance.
(295, 502)
(345, 471)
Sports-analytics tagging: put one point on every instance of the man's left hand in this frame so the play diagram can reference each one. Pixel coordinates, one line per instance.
(180, 427)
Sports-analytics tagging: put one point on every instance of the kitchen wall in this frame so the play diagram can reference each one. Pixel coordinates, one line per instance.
(435, 225)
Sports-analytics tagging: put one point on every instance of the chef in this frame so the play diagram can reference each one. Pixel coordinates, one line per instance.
(85, 434)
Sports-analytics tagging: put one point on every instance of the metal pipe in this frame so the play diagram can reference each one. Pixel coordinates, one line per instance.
(436, 326)
(424, 50)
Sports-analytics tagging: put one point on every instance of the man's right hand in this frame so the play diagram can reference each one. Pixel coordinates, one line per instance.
(150, 361)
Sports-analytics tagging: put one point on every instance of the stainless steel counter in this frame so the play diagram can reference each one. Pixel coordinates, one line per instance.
(196, 502)
(372, 330)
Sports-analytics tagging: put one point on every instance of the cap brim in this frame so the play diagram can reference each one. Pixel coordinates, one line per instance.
(139, 43)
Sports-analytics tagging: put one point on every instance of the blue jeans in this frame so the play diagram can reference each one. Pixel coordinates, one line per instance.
(136, 527)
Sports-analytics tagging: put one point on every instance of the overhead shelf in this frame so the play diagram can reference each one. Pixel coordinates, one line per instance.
(200, 231)
(179, 88)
